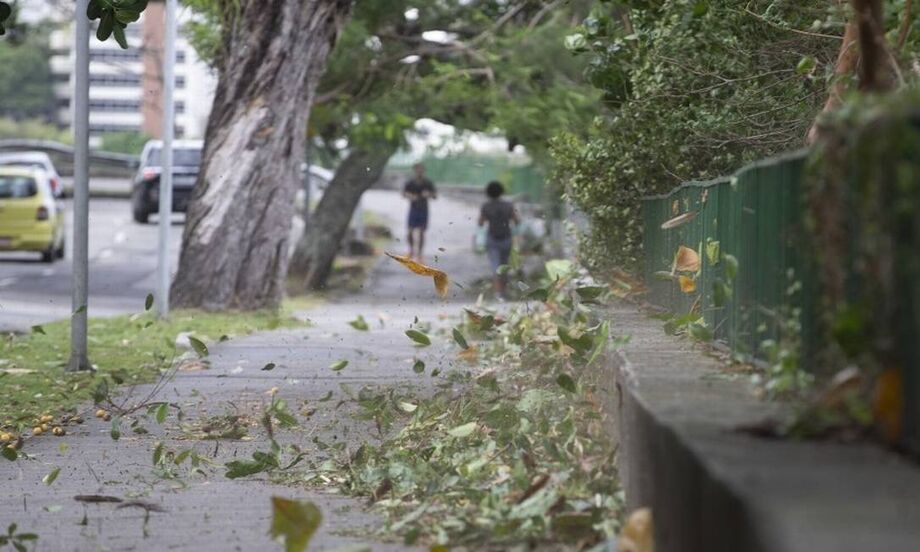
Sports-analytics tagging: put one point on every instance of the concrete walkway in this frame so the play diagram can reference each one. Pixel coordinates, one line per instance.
(216, 513)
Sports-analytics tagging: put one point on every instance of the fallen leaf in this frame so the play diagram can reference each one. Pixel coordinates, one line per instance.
(52, 475)
(295, 522)
(470, 354)
(338, 366)
(268, 367)
(687, 284)
(97, 499)
(464, 430)
(441, 281)
(418, 367)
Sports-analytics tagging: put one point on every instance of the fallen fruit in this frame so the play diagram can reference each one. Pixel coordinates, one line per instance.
(77, 419)
(45, 427)
(5, 437)
(58, 431)
(47, 418)
(107, 416)
(37, 430)
(101, 413)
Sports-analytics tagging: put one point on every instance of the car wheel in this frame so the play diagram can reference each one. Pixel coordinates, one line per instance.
(48, 254)
(60, 251)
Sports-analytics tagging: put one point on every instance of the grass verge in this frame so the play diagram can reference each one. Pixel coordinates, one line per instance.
(124, 349)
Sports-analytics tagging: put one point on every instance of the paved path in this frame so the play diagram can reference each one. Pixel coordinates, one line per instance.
(216, 513)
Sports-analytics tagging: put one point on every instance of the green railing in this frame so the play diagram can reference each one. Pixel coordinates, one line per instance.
(755, 217)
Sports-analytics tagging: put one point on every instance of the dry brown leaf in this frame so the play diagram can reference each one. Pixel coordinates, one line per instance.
(678, 220)
(888, 404)
(441, 281)
(687, 284)
(638, 532)
(687, 260)
(625, 285)
(470, 354)
(193, 366)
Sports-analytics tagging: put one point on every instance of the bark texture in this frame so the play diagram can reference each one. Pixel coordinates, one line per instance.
(235, 243)
(322, 237)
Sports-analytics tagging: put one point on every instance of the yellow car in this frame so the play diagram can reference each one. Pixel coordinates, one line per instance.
(30, 218)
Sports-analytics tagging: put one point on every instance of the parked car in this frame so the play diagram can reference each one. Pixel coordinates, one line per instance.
(30, 218)
(37, 160)
(145, 190)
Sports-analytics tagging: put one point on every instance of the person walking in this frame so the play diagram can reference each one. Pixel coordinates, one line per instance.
(501, 218)
(418, 191)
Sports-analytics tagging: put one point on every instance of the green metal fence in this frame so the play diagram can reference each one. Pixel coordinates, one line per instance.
(755, 217)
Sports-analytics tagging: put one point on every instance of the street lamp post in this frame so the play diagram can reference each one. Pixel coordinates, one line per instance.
(79, 359)
(166, 157)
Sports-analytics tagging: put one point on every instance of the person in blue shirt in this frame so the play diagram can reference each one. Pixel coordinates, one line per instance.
(418, 191)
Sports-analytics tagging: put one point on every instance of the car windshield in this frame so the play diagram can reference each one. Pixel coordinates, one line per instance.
(15, 187)
(182, 157)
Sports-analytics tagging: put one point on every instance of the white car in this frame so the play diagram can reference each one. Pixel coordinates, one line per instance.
(35, 160)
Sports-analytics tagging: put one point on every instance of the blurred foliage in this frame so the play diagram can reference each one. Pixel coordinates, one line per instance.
(26, 89)
(484, 66)
(33, 129)
(691, 90)
(128, 141)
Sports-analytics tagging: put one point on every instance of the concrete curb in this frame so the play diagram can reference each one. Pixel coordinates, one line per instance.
(714, 488)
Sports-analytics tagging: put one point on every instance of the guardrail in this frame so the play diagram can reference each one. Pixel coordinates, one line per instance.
(101, 163)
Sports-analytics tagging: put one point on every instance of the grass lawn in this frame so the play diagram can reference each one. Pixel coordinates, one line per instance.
(124, 349)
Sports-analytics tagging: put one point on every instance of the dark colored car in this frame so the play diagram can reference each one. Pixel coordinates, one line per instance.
(145, 192)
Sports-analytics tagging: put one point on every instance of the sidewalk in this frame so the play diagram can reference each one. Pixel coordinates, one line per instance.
(216, 513)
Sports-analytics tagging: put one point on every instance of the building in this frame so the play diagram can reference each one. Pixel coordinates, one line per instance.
(125, 85)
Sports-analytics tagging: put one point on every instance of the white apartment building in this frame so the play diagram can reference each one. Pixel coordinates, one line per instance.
(125, 85)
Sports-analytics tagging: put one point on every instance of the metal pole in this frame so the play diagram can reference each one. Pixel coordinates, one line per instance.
(79, 359)
(166, 156)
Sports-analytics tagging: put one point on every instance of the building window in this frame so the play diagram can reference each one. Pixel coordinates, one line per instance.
(101, 129)
(130, 54)
(180, 56)
(61, 77)
(179, 108)
(115, 80)
(180, 82)
(119, 106)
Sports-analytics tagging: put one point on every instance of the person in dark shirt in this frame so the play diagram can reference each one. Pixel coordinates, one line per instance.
(501, 217)
(418, 191)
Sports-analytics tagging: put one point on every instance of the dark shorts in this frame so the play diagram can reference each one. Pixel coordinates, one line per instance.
(418, 219)
(499, 251)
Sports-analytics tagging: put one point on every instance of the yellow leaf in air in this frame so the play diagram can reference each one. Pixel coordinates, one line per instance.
(687, 285)
(638, 532)
(441, 280)
(888, 404)
(687, 260)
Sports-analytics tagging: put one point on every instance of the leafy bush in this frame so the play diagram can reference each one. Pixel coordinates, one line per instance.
(693, 90)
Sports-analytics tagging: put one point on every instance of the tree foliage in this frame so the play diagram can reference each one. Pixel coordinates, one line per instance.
(691, 90)
(26, 89)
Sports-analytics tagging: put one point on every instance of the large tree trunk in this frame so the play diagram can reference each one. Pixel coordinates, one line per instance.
(235, 244)
(322, 237)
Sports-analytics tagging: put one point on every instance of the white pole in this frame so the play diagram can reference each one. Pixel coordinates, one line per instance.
(79, 359)
(166, 158)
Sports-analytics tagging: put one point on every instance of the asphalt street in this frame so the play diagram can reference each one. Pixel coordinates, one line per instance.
(122, 269)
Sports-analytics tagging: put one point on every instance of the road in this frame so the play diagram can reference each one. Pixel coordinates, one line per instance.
(122, 270)
(123, 261)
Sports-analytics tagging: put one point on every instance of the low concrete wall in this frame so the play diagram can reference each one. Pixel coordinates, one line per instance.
(714, 488)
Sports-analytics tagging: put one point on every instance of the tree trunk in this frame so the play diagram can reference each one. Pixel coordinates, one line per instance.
(235, 243)
(847, 60)
(875, 66)
(322, 237)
